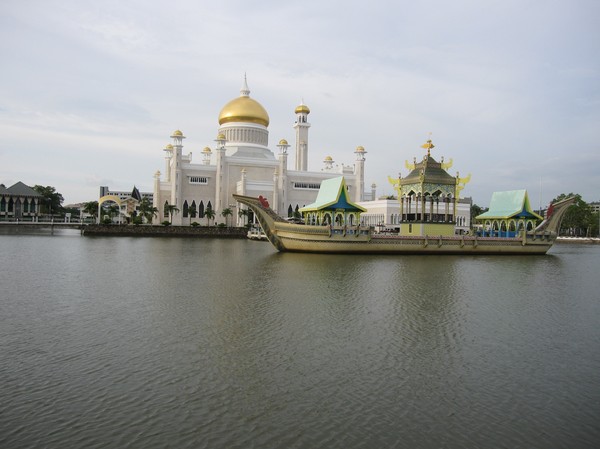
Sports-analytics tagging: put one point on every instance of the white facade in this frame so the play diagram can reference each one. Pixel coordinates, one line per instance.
(242, 163)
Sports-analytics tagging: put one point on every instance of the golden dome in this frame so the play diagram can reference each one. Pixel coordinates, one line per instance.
(244, 109)
(360, 149)
(206, 150)
(328, 158)
(283, 142)
(169, 147)
(302, 108)
(221, 136)
(177, 133)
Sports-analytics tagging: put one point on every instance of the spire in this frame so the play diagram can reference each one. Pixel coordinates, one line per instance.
(245, 91)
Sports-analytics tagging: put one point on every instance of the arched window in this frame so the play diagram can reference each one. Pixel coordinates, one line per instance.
(201, 210)
(185, 209)
(166, 210)
(193, 209)
(290, 211)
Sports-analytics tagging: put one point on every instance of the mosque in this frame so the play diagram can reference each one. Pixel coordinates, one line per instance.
(242, 163)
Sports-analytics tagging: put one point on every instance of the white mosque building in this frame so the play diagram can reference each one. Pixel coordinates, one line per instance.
(242, 163)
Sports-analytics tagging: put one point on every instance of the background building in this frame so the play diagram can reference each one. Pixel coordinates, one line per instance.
(242, 163)
(18, 202)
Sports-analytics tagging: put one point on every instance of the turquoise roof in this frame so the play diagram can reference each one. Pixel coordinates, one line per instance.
(509, 204)
(333, 195)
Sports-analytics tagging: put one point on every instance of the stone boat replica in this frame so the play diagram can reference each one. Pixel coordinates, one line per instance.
(344, 234)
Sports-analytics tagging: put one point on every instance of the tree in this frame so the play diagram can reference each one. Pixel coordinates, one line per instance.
(476, 211)
(113, 211)
(171, 210)
(209, 214)
(578, 219)
(226, 213)
(52, 202)
(147, 210)
(244, 214)
(91, 208)
(192, 212)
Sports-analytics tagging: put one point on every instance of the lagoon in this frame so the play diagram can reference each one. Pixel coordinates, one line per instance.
(170, 342)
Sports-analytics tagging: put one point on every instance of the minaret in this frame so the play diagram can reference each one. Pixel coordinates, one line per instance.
(156, 199)
(220, 181)
(359, 172)
(301, 126)
(282, 179)
(176, 176)
(168, 155)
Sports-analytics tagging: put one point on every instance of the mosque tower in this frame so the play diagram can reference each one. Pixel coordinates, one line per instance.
(301, 126)
(176, 176)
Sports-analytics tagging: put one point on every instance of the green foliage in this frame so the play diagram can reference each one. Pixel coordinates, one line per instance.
(227, 212)
(137, 220)
(147, 210)
(166, 223)
(171, 209)
(209, 214)
(52, 201)
(91, 208)
(107, 221)
(579, 219)
(221, 225)
(195, 223)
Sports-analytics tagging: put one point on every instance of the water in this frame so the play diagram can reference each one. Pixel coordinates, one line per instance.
(153, 343)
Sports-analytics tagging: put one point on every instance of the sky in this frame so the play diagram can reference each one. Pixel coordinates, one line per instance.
(509, 90)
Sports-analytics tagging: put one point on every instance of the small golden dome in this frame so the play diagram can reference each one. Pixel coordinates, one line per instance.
(221, 136)
(328, 159)
(283, 142)
(169, 147)
(244, 109)
(177, 133)
(206, 150)
(302, 108)
(360, 149)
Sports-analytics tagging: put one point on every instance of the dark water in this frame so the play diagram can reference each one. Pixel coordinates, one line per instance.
(153, 343)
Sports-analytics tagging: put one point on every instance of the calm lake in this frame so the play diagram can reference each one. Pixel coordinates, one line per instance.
(198, 343)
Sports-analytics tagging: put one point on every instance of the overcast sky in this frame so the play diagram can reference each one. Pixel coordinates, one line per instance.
(90, 91)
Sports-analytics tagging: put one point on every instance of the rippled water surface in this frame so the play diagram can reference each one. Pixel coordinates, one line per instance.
(153, 343)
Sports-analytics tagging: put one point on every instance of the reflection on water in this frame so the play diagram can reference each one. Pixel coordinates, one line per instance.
(113, 342)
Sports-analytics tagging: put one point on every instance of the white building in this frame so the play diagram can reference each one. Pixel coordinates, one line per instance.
(242, 163)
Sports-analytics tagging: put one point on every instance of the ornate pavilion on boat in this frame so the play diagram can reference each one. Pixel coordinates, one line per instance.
(510, 212)
(332, 206)
(428, 196)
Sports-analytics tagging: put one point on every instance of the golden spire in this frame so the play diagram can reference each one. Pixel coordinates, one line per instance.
(428, 146)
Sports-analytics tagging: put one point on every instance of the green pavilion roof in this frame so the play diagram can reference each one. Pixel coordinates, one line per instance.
(333, 195)
(509, 204)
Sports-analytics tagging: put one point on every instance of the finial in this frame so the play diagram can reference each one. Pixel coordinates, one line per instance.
(428, 146)
(245, 91)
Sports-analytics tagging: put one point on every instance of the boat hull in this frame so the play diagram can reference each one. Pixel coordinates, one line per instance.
(327, 242)
(355, 239)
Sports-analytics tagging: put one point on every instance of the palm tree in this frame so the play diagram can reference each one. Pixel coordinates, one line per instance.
(192, 212)
(147, 210)
(226, 213)
(209, 214)
(244, 213)
(114, 210)
(91, 208)
(171, 210)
